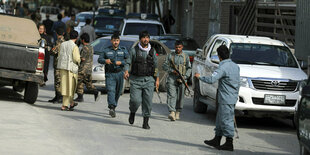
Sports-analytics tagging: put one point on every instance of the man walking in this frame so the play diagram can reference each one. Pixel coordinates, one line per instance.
(68, 64)
(143, 73)
(228, 75)
(48, 25)
(89, 30)
(70, 24)
(85, 70)
(175, 87)
(58, 24)
(55, 51)
(114, 59)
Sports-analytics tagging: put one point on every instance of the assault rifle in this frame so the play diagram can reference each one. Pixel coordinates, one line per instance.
(181, 77)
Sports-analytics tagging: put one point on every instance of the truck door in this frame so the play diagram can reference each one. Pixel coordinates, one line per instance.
(212, 63)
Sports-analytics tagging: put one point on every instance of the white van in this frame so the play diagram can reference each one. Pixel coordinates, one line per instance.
(52, 11)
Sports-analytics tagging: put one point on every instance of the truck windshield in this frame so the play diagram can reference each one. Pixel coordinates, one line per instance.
(107, 23)
(82, 17)
(258, 54)
(136, 28)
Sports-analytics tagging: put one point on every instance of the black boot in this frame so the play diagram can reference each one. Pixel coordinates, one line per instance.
(228, 145)
(215, 142)
(54, 99)
(97, 95)
(131, 117)
(112, 111)
(79, 98)
(146, 123)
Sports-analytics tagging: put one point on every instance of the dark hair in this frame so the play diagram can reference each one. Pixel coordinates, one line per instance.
(178, 42)
(41, 25)
(223, 52)
(144, 34)
(74, 34)
(60, 31)
(115, 35)
(88, 21)
(85, 37)
(59, 16)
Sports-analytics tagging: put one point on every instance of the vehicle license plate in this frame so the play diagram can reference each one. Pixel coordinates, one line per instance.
(274, 99)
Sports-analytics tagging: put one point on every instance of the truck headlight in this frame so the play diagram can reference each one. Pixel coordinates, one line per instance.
(244, 82)
(98, 69)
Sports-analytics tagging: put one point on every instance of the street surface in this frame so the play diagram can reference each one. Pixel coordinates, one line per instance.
(43, 128)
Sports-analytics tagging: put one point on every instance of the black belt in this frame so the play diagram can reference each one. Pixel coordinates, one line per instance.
(114, 70)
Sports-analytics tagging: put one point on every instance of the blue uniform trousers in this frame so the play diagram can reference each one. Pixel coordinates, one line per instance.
(141, 91)
(224, 124)
(114, 85)
(175, 96)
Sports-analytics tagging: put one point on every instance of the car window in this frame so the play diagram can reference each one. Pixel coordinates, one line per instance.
(159, 49)
(213, 54)
(83, 17)
(258, 54)
(168, 42)
(207, 47)
(136, 28)
(190, 44)
(100, 44)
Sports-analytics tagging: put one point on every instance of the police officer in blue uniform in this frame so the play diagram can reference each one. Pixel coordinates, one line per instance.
(142, 76)
(114, 59)
(228, 75)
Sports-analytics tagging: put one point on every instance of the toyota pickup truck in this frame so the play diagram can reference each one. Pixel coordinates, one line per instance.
(270, 75)
(21, 57)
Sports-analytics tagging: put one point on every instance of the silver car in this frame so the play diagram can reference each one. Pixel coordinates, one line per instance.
(100, 44)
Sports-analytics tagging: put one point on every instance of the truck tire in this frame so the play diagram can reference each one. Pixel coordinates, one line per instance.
(303, 150)
(198, 106)
(31, 92)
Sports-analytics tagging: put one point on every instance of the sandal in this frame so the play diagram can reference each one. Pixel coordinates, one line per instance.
(72, 106)
(65, 108)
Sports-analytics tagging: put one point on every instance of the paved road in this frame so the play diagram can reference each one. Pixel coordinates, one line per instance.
(43, 129)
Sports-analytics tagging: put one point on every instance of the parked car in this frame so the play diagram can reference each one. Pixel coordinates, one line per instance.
(82, 16)
(135, 23)
(21, 56)
(108, 21)
(100, 44)
(270, 75)
(303, 120)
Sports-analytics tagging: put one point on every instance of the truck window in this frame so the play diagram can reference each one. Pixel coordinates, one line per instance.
(257, 54)
(136, 28)
(213, 54)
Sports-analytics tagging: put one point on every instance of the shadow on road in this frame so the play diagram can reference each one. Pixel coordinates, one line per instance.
(8, 94)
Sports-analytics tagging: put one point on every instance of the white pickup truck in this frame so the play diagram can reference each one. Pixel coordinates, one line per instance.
(270, 75)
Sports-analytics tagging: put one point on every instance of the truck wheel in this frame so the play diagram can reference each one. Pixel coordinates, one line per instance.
(31, 92)
(198, 106)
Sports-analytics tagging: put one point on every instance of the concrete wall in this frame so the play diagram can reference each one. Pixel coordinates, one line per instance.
(201, 21)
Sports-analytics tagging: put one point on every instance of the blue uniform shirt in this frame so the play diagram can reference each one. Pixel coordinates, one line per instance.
(120, 54)
(228, 75)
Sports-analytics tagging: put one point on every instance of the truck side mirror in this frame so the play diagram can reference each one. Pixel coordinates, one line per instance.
(303, 64)
(42, 43)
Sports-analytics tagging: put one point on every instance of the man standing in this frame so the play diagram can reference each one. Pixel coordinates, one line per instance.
(48, 44)
(68, 64)
(85, 70)
(70, 24)
(89, 30)
(144, 71)
(48, 25)
(55, 51)
(175, 87)
(58, 24)
(228, 75)
(114, 59)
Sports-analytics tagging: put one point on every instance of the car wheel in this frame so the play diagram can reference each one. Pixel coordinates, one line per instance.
(198, 106)
(31, 92)
(163, 83)
(303, 150)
